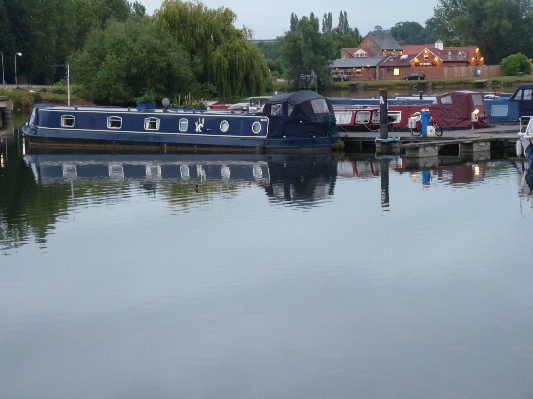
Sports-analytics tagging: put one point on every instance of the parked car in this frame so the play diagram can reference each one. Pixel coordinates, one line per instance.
(340, 78)
(415, 76)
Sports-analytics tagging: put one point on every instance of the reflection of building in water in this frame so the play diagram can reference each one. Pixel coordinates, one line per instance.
(458, 173)
(298, 178)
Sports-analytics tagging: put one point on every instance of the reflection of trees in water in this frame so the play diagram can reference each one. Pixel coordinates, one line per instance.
(34, 195)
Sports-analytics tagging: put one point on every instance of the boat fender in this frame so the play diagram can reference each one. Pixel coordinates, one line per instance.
(519, 148)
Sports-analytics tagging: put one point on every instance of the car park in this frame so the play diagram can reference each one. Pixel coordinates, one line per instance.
(415, 76)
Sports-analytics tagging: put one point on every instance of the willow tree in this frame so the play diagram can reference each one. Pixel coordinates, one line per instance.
(221, 55)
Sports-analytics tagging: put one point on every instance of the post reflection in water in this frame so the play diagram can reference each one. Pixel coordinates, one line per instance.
(384, 167)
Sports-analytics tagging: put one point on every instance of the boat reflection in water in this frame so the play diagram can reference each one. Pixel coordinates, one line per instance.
(525, 181)
(299, 179)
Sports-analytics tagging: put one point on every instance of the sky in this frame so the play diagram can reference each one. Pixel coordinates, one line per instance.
(271, 18)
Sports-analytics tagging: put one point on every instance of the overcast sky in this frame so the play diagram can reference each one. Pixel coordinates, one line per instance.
(271, 18)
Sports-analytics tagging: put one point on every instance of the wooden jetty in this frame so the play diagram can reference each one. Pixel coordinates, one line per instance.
(471, 143)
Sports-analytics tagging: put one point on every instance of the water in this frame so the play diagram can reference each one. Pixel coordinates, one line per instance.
(254, 277)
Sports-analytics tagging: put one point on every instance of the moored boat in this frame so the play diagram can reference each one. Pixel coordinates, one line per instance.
(453, 110)
(524, 145)
(302, 120)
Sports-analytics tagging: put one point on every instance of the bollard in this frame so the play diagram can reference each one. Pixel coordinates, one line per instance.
(425, 121)
(383, 116)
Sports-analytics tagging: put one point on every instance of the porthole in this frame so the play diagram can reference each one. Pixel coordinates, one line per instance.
(224, 126)
(256, 127)
(184, 124)
(67, 120)
(151, 124)
(114, 122)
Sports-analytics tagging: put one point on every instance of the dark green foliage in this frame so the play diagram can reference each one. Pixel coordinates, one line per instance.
(498, 27)
(515, 63)
(305, 51)
(220, 54)
(129, 59)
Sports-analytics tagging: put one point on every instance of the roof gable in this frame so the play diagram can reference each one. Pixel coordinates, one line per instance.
(385, 41)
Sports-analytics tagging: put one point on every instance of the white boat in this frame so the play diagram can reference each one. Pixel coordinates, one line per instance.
(524, 144)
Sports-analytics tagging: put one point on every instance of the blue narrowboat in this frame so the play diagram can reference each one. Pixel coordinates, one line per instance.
(302, 120)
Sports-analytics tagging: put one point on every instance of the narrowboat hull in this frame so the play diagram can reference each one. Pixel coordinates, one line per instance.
(291, 123)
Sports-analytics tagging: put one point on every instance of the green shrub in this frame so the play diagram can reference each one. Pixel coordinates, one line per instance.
(514, 64)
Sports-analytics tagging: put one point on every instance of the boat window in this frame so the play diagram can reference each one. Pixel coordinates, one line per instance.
(114, 122)
(32, 117)
(256, 127)
(224, 126)
(276, 109)
(476, 98)
(290, 108)
(320, 106)
(67, 120)
(446, 100)
(362, 117)
(151, 124)
(184, 124)
(499, 110)
(518, 95)
(527, 94)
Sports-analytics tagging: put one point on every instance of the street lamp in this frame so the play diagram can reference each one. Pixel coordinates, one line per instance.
(3, 78)
(16, 81)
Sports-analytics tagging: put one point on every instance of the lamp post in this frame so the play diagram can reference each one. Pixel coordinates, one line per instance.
(16, 81)
(3, 78)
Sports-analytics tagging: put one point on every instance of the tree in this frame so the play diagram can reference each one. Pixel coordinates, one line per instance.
(221, 55)
(305, 51)
(408, 33)
(515, 63)
(498, 27)
(344, 26)
(327, 22)
(294, 22)
(128, 59)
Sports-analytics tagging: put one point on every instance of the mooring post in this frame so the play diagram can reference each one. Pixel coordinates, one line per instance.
(383, 115)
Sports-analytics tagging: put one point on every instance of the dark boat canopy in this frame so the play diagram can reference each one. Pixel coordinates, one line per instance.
(524, 96)
(299, 115)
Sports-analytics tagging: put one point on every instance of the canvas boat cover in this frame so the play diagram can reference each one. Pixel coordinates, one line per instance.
(454, 109)
(301, 114)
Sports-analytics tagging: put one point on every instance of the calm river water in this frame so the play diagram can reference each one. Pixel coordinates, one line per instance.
(248, 276)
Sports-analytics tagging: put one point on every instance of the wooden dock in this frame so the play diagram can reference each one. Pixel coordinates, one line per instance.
(476, 143)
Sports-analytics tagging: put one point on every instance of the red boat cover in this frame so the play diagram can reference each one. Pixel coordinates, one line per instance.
(454, 109)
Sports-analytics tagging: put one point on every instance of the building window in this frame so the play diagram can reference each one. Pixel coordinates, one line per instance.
(358, 71)
(67, 120)
(151, 124)
(114, 122)
(396, 71)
